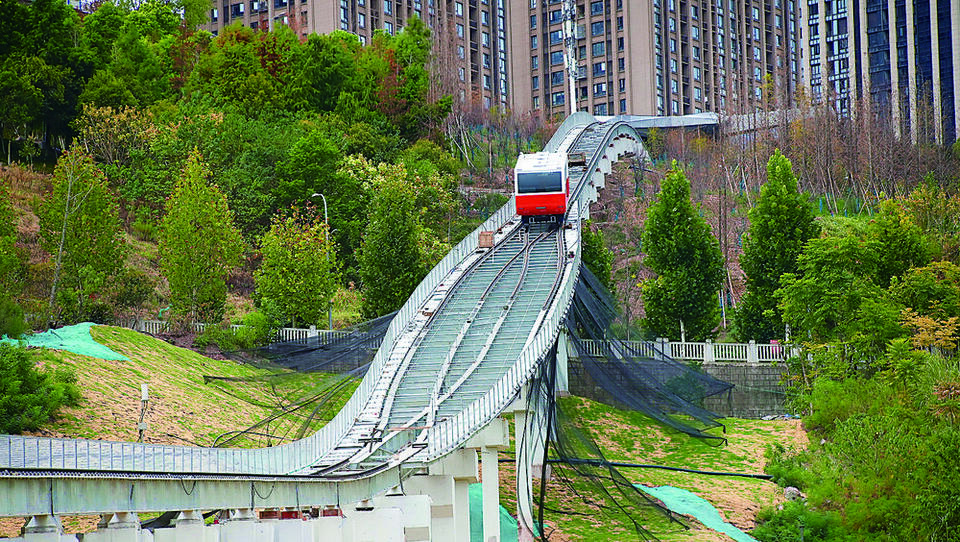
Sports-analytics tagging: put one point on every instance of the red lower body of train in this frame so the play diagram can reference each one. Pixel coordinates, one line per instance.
(542, 204)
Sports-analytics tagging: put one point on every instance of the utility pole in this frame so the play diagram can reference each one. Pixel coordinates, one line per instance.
(326, 221)
(570, 50)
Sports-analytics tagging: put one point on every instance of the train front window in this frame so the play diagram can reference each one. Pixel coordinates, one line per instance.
(533, 183)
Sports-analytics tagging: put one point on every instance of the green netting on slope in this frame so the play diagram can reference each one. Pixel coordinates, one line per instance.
(686, 503)
(75, 338)
(508, 524)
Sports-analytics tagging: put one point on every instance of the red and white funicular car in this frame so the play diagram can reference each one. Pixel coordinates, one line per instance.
(541, 185)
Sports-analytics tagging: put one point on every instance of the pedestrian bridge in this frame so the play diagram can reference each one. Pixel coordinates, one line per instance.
(455, 358)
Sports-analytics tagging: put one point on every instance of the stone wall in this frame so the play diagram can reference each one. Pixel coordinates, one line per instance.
(756, 393)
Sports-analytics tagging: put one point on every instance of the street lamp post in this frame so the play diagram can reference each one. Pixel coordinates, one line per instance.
(326, 221)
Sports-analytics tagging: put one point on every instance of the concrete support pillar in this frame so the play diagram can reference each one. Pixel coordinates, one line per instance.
(119, 527)
(709, 356)
(443, 505)
(911, 83)
(45, 528)
(461, 508)
(563, 368)
(490, 480)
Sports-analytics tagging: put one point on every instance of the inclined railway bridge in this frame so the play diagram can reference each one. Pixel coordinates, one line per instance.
(455, 358)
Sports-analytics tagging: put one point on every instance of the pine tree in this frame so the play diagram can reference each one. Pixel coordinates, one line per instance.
(681, 249)
(780, 226)
(199, 245)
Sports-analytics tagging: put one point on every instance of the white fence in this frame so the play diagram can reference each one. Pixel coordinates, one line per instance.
(157, 327)
(708, 351)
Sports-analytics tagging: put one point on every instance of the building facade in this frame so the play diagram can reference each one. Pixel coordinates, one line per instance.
(898, 57)
(652, 57)
(469, 35)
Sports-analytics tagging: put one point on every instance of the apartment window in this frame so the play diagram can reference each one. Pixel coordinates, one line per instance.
(756, 33)
(362, 20)
(697, 94)
(622, 85)
(533, 42)
(756, 53)
(695, 32)
(535, 82)
(600, 109)
(485, 38)
(675, 106)
(461, 74)
(674, 86)
(457, 8)
(555, 16)
(619, 44)
(673, 65)
(484, 18)
(599, 48)
(599, 69)
(556, 78)
(623, 106)
(534, 62)
(696, 73)
(596, 28)
(486, 82)
(536, 102)
(388, 26)
(620, 64)
(673, 45)
(533, 21)
(756, 13)
(599, 89)
(694, 12)
(460, 51)
(214, 15)
(556, 57)
(459, 30)
(672, 5)
(596, 8)
(556, 98)
(696, 52)
(387, 7)
(619, 23)
(486, 60)
(556, 37)
(672, 24)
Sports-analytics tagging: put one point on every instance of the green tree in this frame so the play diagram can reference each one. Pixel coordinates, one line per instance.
(902, 240)
(392, 256)
(596, 256)
(199, 245)
(780, 225)
(80, 227)
(680, 248)
(298, 276)
(11, 315)
(29, 397)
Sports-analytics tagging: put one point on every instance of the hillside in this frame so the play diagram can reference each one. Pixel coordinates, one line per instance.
(182, 408)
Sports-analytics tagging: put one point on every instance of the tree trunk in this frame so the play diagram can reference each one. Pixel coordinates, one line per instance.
(63, 237)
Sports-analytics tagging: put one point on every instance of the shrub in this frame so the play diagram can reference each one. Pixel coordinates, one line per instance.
(797, 522)
(29, 397)
(786, 467)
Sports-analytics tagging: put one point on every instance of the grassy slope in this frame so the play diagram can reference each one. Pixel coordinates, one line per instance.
(632, 437)
(182, 408)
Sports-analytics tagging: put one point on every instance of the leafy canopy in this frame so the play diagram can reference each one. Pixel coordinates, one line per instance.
(199, 245)
(298, 276)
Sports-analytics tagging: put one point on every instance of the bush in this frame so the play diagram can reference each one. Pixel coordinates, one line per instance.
(12, 323)
(786, 467)
(30, 397)
(257, 330)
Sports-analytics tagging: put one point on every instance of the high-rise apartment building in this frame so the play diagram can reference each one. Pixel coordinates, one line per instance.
(899, 57)
(469, 34)
(652, 57)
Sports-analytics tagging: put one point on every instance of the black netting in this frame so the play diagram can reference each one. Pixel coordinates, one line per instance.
(300, 405)
(640, 378)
